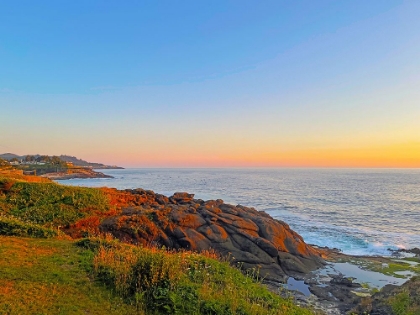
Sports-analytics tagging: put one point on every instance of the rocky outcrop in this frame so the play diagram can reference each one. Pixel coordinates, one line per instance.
(249, 237)
(76, 173)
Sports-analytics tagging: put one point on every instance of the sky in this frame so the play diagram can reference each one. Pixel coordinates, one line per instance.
(213, 83)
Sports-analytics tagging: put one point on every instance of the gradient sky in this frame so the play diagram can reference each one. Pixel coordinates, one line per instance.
(213, 83)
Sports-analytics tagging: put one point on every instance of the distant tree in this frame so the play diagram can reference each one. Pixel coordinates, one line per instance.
(4, 162)
(29, 158)
(56, 160)
(14, 160)
(43, 158)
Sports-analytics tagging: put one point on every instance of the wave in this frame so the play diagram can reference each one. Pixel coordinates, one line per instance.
(349, 240)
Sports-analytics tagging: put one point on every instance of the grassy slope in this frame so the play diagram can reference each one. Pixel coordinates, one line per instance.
(39, 276)
(183, 282)
(53, 276)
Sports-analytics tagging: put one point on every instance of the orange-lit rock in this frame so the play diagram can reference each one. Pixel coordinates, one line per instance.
(249, 237)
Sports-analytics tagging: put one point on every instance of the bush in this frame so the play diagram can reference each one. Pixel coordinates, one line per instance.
(94, 243)
(15, 227)
(170, 282)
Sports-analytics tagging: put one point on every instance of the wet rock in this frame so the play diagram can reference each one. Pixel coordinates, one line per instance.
(348, 282)
(322, 293)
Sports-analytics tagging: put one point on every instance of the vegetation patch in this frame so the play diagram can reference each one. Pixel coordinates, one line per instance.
(15, 227)
(399, 268)
(50, 204)
(104, 276)
(158, 281)
(401, 304)
(50, 276)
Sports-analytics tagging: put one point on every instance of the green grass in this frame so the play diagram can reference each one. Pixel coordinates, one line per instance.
(52, 276)
(50, 204)
(404, 304)
(14, 227)
(392, 268)
(161, 282)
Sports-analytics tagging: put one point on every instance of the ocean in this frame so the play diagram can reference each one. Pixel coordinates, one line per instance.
(359, 211)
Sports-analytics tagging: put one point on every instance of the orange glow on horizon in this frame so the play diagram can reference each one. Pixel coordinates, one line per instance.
(406, 155)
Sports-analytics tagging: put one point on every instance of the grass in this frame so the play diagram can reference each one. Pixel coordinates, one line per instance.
(54, 276)
(394, 267)
(405, 304)
(39, 276)
(158, 281)
(401, 303)
(49, 204)
(15, 227)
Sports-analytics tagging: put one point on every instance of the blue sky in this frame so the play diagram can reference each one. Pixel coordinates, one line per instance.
(216, 83)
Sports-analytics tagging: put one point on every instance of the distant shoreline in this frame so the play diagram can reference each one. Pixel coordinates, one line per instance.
(86, 174)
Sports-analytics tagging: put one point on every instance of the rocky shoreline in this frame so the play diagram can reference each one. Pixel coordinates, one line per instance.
(318, 277)
(80, 173)
(321, 278)
(350, 284)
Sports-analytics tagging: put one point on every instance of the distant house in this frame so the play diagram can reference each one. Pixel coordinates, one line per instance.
(69, 163)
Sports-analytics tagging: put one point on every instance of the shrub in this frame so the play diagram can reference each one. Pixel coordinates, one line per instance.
(6, 185)
(15, 227)
(95, 243)
(182, 282)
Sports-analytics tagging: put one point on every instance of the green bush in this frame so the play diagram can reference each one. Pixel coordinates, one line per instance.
(50, 204)
(94, 243)
(15, 227)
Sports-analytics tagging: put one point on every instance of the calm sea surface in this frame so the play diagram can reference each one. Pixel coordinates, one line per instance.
(360, 211)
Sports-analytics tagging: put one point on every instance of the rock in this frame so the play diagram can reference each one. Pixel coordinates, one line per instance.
(345, 281)
(250, 238)
(182, 197)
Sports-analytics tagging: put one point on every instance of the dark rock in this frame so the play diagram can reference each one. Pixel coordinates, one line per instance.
(322, 293)
(345, 281)
(182, 197)
(161, 199)
(250, 238)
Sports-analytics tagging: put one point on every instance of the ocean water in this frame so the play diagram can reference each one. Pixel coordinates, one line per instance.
(359, 211)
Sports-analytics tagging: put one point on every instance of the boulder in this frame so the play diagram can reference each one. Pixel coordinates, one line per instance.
(250, 238)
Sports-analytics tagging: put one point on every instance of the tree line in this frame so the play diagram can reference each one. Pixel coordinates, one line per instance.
(54, 160)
